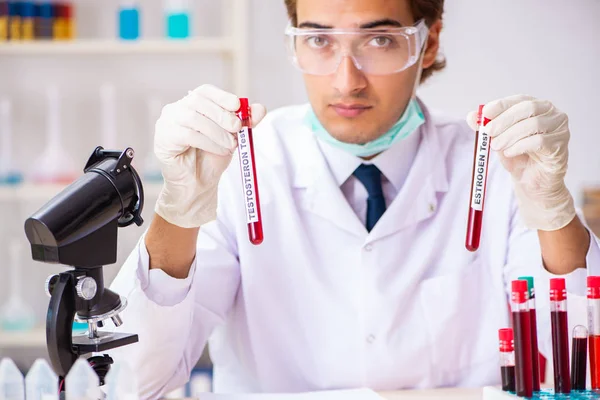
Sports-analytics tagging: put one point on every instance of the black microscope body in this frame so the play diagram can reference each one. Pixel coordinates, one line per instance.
(78, 228)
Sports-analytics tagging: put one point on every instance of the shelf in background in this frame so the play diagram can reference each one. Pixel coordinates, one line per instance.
(33, 192)
(116, 47)
(32, 339)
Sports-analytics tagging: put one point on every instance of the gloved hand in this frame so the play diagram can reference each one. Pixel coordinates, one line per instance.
(194, 142)
(531, 138)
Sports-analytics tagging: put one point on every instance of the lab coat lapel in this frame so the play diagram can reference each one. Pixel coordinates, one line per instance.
(322, 197)
(418, 197)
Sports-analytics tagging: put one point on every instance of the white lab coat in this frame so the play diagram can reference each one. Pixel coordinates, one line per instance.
(322, 303)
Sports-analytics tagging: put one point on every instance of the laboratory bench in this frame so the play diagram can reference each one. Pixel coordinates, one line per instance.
(434, 394)
(430, 394)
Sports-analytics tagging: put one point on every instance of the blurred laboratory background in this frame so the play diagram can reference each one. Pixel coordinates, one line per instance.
(78, 74)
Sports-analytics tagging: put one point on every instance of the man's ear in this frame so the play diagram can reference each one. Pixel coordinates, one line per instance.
(433, 44)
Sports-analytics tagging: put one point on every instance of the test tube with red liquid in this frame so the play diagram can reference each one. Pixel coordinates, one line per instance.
(522, 337)
(481, 158)
(593, 295)
(248, 169)
(579, 358)
(560, 335)
(507, 359)
(535, 360)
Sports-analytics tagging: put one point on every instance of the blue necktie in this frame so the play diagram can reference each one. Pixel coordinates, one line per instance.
(370, 177)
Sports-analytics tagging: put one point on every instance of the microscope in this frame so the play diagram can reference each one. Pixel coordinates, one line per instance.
(78, 228)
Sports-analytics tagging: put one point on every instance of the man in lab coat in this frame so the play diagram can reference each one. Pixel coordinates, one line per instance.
(363, 279)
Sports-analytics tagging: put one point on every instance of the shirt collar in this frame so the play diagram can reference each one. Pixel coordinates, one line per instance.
(394, 163)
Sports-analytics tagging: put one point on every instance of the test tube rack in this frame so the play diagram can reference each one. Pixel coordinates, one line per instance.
(493, 393)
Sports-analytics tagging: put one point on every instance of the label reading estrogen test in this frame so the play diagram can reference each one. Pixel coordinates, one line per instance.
(248, 182)
(482, 158)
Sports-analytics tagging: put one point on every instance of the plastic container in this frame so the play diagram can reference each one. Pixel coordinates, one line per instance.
(55, 164)
(121, 383)
(177, 14)
(9, 173)
(108, 109)
(82, 383)
(45, 14)
(16, 315)
(151, 168)
(27, 19)
(3, 20)
(41, 382)
(12, 384)
(129, 20)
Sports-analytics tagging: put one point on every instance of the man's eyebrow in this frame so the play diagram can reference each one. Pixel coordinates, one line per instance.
(314, 25)
(369, 25)
(382, 22)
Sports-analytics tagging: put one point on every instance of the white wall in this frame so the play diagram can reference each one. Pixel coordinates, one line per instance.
(546, 48)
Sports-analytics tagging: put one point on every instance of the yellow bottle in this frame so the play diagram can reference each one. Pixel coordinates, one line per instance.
(3, 20)
(14, 28)
(3, 28)
(58, 26)
(27, 13)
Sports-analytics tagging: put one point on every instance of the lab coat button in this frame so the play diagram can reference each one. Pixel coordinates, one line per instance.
(371, 338)
(369, 247)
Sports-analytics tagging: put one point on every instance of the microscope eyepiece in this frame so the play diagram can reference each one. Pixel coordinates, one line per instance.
(78, 226)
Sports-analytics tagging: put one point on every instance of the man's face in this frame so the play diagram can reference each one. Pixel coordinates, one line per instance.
(355, 107)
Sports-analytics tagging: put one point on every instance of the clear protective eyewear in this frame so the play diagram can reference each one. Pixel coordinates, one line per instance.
(377, 51)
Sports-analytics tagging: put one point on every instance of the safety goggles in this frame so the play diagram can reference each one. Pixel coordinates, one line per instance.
(378, 51)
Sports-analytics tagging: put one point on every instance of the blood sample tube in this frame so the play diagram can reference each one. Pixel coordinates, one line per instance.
(535, 360)
(481, 158)
(507, 359)
(579, 358)
(248, 168)
(522, 334)
(560, 335)
(593, 294)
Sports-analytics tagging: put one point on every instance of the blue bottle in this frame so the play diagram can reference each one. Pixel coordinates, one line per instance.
(44, 15)
(177, 19)
(129, 20)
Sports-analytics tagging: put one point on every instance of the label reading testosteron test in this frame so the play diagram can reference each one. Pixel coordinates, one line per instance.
(482, 158)
(247, 176)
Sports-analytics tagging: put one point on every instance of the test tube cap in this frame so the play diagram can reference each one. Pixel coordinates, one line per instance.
(520, 293)
(558, 290)
(593, 287)
(480, 118)
(244, 111)
(506, 337)
(530, 285)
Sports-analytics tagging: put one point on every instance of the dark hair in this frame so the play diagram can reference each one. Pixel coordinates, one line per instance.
(429, 10)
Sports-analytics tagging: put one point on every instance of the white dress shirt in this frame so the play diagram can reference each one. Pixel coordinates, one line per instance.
(324, 304)
(393, 163)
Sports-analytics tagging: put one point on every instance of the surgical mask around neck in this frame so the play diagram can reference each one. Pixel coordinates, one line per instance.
(410, 121)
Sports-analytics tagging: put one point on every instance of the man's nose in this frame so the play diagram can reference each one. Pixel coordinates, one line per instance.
(348, 79)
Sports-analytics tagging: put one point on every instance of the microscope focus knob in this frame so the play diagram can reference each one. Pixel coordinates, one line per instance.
(49, 285)
(86, 288)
